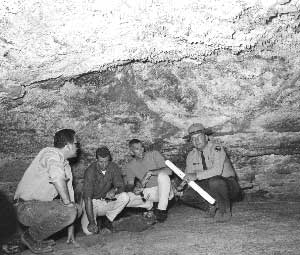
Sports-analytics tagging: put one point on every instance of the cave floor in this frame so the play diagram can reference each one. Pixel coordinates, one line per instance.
(255, 228)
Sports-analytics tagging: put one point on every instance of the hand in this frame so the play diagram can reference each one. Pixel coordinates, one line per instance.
(110, 194)
(188, 178)
(146, 178)
(181, 186)
(69, 204)
(93, 228)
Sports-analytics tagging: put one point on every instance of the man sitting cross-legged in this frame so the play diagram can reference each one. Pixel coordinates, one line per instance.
(103, 191)
(153, 183)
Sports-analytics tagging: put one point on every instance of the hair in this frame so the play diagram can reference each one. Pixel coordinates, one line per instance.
(63, 137)
(133, 141)
(103, 152)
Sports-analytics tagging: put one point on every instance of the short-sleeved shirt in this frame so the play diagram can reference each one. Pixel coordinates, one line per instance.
(137, 168)
(216, 161)
(47, 167)
(96, 184)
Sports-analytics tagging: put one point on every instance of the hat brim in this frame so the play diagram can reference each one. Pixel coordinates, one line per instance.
(206, 131)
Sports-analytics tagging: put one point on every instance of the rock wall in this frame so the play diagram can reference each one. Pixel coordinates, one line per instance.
(148, 69)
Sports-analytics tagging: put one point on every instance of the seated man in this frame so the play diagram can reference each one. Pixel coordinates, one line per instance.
(212, 170)
(48, 176)
(103, 191)
(153, 183)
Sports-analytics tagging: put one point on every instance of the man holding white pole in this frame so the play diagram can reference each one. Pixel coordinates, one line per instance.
(209, 166)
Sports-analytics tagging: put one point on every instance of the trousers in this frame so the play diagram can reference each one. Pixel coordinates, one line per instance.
(161, 194)
(110, 209)
(223, 190)
(44, 218)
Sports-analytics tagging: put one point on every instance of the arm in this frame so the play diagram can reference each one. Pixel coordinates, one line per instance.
(62, 189)
(159, 164)
(88, 196)
(117, 183)
(57, 177)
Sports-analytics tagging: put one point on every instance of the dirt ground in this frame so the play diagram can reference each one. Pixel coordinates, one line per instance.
(255, 228)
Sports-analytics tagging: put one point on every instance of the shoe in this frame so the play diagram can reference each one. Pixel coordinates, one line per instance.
(161, 215)
(221, 217)
(49, 242)
(106, 223)
(33, 245)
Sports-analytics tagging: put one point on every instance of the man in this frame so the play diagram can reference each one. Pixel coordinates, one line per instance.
(153, 181)
(103, 191)
(212, 170)
(49, 176)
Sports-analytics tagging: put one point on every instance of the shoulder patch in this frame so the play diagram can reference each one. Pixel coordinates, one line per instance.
(218, 148)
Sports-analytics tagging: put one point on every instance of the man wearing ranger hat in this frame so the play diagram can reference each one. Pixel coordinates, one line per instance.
(212, 170)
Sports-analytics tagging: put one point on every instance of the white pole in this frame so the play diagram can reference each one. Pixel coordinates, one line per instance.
(192, 184)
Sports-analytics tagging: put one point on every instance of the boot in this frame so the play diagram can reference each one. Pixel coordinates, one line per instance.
(221, 217)
(33, 245)
(161, 215)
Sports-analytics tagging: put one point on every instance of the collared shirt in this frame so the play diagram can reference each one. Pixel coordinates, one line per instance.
(47, 167)
(152, 160)
(96, 184)
(216, 160)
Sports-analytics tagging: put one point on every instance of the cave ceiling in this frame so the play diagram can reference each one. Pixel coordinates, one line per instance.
(149, 68)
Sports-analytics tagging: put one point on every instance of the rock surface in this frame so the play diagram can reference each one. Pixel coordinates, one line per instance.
(148, 69)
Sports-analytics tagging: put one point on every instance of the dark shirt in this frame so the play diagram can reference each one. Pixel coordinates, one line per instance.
(96, 184)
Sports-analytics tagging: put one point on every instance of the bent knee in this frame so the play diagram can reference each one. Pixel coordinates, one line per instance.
(217, 182)
(163, 176)
(70, 215)
(124, 197)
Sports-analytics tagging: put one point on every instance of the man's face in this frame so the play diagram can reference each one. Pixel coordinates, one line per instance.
(199, 141)
(103, 162)
(138, 150)
(73, 148)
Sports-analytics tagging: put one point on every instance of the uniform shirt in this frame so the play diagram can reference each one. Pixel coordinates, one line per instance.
(216, 160)
(139, 167)
(96, 184)
(47, 167)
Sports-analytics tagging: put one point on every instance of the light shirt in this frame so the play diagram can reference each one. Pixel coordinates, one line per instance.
(217, 162)
(152, 160)
(47, 167)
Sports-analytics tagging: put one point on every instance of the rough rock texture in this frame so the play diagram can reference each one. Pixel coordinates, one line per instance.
(148, 69)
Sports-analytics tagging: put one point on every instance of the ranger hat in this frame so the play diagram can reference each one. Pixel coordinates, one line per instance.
(197, 128)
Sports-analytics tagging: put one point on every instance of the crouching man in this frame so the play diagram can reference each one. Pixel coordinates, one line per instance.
(48, 177)
(103, 191)
(153, 182)
(212, 170)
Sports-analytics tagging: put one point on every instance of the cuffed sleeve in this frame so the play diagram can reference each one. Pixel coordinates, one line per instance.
(54, 164)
